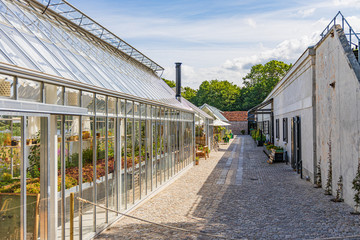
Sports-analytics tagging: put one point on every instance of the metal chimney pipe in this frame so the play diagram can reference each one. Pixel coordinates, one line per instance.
(178, 81)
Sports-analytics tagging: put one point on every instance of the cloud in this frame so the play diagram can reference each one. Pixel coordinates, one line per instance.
(306, 12)
(251, 22)
(235, 69)
(345, 3)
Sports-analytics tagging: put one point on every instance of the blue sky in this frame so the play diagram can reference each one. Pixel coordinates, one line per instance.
(218, 39)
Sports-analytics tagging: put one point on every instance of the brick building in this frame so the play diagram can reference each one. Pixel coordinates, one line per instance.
(238, 121)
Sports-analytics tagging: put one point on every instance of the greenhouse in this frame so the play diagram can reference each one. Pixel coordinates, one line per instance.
(82, 112)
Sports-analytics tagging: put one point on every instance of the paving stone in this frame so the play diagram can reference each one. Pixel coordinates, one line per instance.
(270, 202)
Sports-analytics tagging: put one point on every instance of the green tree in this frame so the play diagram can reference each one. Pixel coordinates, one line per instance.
(260, 81)
(220, 94)
(189, 94)
(169, 82)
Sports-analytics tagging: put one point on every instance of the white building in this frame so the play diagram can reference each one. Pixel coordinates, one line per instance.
(314, 111)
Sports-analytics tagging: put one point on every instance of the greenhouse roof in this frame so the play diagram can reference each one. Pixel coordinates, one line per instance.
(214, 111)
(56, 39)
(196, 109)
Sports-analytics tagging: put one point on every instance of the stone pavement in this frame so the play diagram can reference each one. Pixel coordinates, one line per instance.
(236, 194)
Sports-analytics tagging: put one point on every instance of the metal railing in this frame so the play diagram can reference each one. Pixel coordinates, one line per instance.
(351, 35)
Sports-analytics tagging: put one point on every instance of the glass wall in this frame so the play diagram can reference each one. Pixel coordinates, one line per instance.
(115, 153)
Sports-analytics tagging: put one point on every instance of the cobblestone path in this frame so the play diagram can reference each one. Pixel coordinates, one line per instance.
(238, 195)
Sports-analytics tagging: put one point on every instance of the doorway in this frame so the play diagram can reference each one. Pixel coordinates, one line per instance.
(23, 176)
(296, 161)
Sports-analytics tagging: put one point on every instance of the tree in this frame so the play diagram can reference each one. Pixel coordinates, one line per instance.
(189, 94)
(260, 81)
(169, 82)
(220, 94)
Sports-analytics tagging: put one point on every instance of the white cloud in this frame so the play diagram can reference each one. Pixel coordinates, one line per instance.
(251, 22)
(345, 3)
(306, 12)
(235, 69)
(226, 46)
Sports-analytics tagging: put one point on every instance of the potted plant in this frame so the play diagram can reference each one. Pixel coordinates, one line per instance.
(197, 159)
(356, 187)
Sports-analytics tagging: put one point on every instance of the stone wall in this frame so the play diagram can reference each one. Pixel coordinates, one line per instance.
(236, 127)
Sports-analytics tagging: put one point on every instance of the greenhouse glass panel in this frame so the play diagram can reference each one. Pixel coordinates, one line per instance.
(137, 160)
(122, 105)
(100, 104)
(154, 154)
(87, 101)
(100, 170)
(143, 158)
(72, 97)
(111, 174)
(72, 150)
(136, 109)
(129, 109)
(123, 164)
(6, 86)
(148, 156)
(54, 94)
(10, 174)
(111, 104)
(87, 173)
(129, 163)
(29, 90)
(159, 160)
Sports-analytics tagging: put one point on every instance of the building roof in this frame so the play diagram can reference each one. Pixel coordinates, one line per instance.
(56, 39)
(196, 109)
(213, 111)
(235, 116)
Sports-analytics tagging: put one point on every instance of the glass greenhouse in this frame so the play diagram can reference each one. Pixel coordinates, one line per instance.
(83, 112)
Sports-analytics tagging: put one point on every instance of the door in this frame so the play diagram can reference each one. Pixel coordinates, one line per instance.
(296, 161)
(293, 159)
(298, 145)
(24, 176)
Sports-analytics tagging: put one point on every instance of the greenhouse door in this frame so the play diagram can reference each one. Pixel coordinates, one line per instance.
(24, 176)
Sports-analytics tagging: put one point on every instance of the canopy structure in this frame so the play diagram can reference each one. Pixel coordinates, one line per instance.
(214, 112)
(220, 123)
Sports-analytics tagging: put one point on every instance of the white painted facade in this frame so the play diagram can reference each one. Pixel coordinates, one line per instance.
(329, 115)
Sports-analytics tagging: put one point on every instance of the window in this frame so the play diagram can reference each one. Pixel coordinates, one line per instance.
(29, 90)
(285, 130)
(53, 94)
(277, 129)
(266, 127)
(72, 97)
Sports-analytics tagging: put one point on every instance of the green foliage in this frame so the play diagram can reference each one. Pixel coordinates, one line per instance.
(169, 82)
(260, 81)
(87, 156)
(220, 94)
(34, 158)
(356, 187)
(227, 96)
(189, 94)
(6, 177)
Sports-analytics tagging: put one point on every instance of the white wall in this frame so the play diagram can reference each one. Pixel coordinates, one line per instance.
(293, 97)
(338, 110)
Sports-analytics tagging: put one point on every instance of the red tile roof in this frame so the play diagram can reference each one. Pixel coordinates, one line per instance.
(235, 116)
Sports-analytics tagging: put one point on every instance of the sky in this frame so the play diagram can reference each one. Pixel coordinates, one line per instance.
(218, 39)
